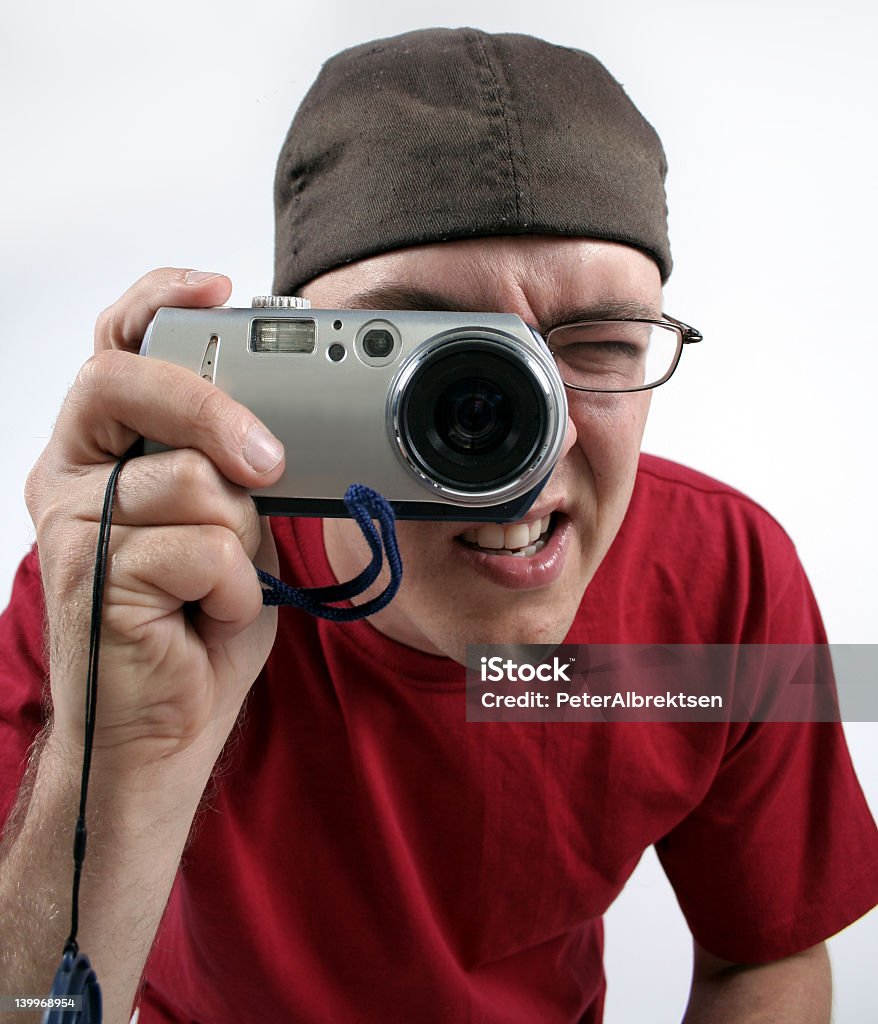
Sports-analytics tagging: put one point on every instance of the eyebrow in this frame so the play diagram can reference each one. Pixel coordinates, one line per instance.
(394, 296)
(609, 309)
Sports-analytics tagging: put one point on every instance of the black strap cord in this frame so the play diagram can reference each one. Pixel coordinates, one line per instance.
(75, 975)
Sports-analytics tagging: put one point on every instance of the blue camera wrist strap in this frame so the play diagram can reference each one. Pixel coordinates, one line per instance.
(364, 505)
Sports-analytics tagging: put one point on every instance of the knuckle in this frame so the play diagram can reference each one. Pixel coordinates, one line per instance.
(250, 531)
(44, 505)
(72, 560)
(113, 327)
(105, 325)
(67, 555)
(223, 547)
(192, 473)
(160, 277)
(85, 381)
(196, 477)
(96, 373)
(205, 406)
(162, 285)
(33, 488)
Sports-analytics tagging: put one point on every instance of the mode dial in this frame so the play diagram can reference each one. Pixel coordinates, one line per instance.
(280, 302)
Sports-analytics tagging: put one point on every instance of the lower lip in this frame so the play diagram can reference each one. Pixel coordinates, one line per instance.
(528, 573)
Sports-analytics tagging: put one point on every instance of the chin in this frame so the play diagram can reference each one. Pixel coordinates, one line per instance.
(522, 627)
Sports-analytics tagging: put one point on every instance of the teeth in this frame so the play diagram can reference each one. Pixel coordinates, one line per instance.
(515, 536)
(490, 536)
(519, 539)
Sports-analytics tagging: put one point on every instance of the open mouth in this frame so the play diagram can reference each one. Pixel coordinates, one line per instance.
(519, 540)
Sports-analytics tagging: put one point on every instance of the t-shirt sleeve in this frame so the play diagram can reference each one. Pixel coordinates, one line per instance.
(782, 852)
(23, 673)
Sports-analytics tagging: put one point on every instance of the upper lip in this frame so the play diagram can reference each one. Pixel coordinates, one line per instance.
(533, 514)
(541, 511)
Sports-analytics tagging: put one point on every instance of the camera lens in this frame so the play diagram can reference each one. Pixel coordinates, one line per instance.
(377, 343)
(473, 416)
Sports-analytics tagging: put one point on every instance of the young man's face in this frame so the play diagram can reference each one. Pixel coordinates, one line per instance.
(453, 593)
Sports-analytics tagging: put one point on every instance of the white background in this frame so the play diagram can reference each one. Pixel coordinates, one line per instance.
(140, 135)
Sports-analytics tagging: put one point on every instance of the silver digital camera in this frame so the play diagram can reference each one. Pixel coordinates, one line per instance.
(455, 416)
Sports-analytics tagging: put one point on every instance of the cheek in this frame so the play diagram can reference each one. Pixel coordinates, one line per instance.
(419, 541)
(609, 430)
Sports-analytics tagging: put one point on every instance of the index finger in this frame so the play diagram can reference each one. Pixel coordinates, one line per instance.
(118, 396)
(123, 324)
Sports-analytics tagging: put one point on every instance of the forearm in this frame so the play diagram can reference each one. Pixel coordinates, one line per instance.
(138, 824)
(795, 990)
(185, 632)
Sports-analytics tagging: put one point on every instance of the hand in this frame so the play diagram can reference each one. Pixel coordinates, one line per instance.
(184, 631)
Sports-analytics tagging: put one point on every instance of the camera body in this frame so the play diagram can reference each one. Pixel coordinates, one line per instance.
(450, 416)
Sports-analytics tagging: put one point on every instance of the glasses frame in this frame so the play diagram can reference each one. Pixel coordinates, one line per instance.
(686, 335)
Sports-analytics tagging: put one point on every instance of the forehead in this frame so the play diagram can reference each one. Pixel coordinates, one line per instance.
(544, 279)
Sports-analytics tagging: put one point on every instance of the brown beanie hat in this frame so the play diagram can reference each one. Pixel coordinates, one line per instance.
(454, 133)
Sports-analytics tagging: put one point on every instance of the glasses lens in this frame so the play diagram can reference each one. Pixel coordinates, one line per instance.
(614, 355)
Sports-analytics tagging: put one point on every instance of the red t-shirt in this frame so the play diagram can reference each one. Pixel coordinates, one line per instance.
(366, 854)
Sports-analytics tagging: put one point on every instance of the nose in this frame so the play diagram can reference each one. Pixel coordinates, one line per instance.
(569, 438)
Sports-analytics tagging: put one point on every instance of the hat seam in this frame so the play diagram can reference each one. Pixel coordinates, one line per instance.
(501, 108)
(521, 169)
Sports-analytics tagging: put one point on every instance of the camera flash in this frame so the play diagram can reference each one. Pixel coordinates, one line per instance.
(293, 336)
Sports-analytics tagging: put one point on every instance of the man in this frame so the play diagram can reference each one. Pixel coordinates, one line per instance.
(363, 853)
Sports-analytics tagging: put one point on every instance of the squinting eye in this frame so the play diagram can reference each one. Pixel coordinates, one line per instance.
(613, 348)
(632, 335)
(572, 350)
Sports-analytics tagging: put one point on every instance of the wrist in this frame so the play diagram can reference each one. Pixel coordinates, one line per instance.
(130, 783)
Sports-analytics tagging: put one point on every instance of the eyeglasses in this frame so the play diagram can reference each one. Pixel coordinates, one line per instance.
(619, 355)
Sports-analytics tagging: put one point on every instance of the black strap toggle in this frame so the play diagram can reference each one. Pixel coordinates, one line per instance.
(75, 977)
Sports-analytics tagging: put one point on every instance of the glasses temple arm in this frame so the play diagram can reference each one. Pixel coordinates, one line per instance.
(691, 335)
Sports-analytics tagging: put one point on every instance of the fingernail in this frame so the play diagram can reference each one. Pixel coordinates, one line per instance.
(263, 450)
(200, 276)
